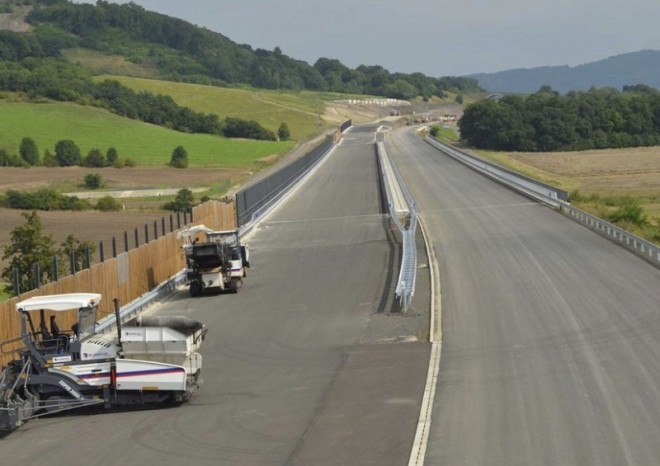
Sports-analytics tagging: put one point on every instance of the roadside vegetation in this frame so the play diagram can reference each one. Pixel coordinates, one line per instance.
(31, 245)
(146, 145)
(598, 182)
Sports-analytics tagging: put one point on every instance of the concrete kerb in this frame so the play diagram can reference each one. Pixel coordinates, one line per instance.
(420, 442)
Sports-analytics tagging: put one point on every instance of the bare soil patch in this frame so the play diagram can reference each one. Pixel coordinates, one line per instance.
(115, 178)
(103, 226)
(89, 225)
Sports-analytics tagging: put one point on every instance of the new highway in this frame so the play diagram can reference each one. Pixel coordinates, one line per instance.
(293, 371)
(550, 339)
(551, 333)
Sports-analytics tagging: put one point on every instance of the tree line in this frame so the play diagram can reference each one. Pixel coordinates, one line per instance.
(67, 154)
(184, 52)
(547, 121)
(26, 66)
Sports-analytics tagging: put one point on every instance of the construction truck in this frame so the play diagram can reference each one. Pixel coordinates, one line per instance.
(148, 362)
(217, 262)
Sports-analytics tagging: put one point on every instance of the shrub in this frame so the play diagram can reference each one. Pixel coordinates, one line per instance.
(249, 129)
(29, 151)
(67, 153)
(44, 199)
(629, 211)
(94, 159)
(108, 204)
(283, 132)
(111, 156)
(72, 203)
(93, 181)
(49, 159)
(179, 158)
(11, 160)
(183, 201)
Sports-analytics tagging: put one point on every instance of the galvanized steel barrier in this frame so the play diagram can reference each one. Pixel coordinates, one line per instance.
(254, 201)
(520, 182)
(556, 198)
(644, 248)
(401, 206)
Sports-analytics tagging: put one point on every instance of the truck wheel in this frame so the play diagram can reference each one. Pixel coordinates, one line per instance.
(195, 289)
(235, 284)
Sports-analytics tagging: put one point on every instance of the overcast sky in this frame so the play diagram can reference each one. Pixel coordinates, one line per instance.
(435, 37)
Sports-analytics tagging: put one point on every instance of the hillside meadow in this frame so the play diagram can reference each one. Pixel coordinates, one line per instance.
(302, 111)
(146, 144)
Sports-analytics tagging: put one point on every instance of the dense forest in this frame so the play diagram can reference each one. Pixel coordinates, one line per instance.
(547, 121)
(184, 52)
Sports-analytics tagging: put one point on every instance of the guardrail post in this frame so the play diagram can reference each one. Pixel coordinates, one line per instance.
(146, 233)
(171, 223)
(101, 254)
(178, 220)
(125, 241)
(114, 247)
(137, 238)
(155, 230)
(162, 225)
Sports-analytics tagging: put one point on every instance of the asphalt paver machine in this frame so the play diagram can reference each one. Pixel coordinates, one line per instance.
(148, 362)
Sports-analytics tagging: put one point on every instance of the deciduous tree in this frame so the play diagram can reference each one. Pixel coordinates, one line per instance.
(28, 245)
(67, 153)
(29, 151)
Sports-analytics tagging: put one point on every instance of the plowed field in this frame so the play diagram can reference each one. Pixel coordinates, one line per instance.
(102, 226)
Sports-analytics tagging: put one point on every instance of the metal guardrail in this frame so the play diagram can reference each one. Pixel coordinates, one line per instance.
(404, 219)
(556, 198)
(644, 248)
(257, 199)
(513, 179)
(138, 305)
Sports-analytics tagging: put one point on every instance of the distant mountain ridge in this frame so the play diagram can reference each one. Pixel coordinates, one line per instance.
(627, 69)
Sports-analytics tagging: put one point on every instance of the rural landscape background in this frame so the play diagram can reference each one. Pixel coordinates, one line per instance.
(265, 87)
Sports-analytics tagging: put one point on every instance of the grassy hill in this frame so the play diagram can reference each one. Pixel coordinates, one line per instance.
(300, 110)
(148, 145)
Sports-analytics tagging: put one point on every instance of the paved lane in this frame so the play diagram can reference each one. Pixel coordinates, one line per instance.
(551, 335)
(286, 378)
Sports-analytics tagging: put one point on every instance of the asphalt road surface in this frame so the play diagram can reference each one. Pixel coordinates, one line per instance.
(551, 333)
(288, 379)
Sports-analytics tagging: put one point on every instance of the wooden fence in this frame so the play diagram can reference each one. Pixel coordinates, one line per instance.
(126, 277)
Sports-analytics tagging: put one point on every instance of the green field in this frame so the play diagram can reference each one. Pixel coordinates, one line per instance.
(146, 144)
(301, 111)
